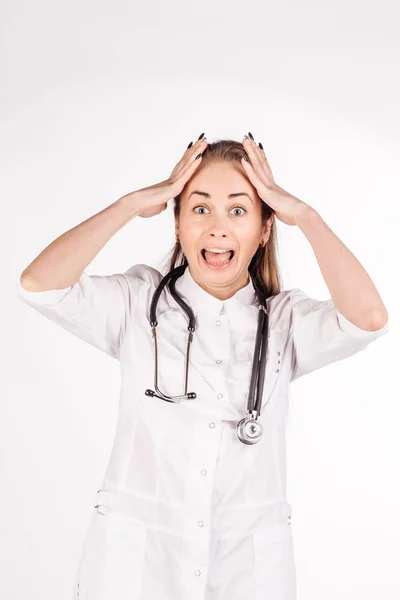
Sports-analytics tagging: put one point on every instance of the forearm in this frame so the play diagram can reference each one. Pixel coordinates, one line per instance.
(351, 288)
(62, 262)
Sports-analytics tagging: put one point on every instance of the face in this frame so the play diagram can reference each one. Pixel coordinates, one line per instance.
(225, 215)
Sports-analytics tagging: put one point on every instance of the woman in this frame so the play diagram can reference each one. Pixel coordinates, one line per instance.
(186, 509)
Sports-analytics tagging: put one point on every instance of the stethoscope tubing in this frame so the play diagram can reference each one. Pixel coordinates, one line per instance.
(248, 430)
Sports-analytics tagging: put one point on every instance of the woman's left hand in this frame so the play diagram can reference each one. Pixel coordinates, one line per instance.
(286, 207)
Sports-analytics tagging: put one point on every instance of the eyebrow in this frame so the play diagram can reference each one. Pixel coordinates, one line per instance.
(207, 195)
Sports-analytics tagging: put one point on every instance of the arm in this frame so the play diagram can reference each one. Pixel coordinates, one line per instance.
(352, 291)
(91, 307)
(321, 331)
(351, 288)
(62, 263)
(97, 308)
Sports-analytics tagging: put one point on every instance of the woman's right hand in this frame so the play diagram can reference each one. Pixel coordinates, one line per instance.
(152, 200)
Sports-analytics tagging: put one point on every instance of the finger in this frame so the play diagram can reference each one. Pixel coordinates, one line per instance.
(192, 151)
(180, 179)
(191, 166)
(189, 155)
(266, 163)
(263, 158)
(258, 157)
(253, 151)
(252, 175)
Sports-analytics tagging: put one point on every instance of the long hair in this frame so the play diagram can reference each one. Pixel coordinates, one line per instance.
(263, 267)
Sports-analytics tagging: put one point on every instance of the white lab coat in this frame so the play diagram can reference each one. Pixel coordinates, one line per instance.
(186, 510)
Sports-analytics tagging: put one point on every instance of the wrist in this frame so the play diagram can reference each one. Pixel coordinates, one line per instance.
(130, 204)
(304, 214)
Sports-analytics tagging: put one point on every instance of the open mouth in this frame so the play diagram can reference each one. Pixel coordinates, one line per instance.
(217, 261)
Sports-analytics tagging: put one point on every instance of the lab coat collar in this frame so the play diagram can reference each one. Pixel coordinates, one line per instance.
(204, 303)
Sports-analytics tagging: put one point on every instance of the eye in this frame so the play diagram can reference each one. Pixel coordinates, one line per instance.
(198, 206)
(236, 207)
(240, 208)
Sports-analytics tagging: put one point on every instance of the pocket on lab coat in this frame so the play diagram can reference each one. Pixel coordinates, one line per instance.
(274, 564)
(277, 340)
(112, 559)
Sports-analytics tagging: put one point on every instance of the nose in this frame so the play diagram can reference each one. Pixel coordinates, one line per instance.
(219, 227)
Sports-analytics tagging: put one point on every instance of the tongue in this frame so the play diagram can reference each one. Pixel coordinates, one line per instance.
(216, 259)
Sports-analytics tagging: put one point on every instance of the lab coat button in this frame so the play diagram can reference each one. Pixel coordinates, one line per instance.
(219, 362)
(212, 425)
(197, 572)
(200, 523)
(218, 322)
(203, 472)
(220, 396)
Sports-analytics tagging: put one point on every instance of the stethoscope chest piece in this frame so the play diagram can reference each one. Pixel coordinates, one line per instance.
(249, 430)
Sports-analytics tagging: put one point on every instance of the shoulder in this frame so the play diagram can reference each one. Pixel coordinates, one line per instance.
(142, 275)
(140, 282)
(280, 305)
(143, 272)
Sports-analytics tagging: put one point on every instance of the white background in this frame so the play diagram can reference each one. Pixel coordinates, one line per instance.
(100, 99)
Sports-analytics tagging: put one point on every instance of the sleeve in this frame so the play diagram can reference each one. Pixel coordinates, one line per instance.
(321, 335)
(94, 309)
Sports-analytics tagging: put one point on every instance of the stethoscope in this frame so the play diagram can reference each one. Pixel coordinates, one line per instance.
(249, 430)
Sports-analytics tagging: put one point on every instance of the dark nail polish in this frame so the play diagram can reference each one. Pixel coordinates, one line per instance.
(250, 136)
(200, 136)
(198, 156)
(190, 145)
(261, 146)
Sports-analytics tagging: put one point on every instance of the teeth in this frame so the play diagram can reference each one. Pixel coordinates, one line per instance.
(217, 250)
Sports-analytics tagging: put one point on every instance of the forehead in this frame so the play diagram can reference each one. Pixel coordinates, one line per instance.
(219, 181)
(196, 194)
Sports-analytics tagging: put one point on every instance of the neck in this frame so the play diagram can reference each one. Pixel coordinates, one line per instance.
(223, 291)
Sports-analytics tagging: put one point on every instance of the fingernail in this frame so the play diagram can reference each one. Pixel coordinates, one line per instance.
(190, 145)
(261, 146)
(251, 137)
(198, 156)
(200, 136)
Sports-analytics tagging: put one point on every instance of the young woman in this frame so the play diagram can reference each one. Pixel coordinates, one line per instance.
(193, 504)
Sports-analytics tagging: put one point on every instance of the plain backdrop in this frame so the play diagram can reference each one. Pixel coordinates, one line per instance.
(99, 99)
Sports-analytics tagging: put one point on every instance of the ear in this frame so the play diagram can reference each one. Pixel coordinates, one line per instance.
(267, 228)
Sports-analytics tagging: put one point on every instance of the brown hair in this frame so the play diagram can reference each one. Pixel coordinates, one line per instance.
(263, 267)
